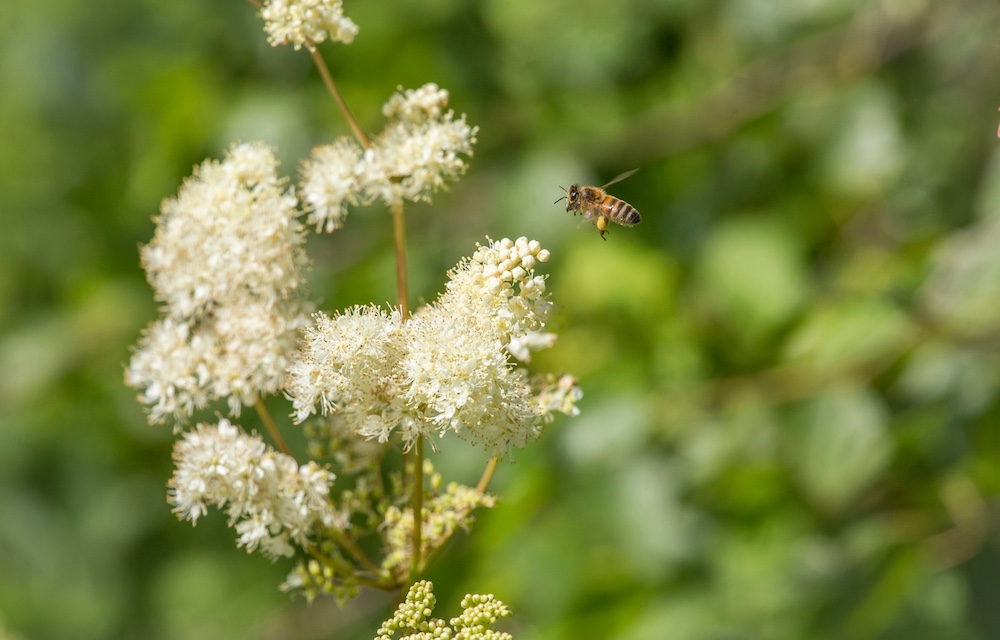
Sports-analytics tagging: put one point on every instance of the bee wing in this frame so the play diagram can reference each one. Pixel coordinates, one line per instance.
(620, 177)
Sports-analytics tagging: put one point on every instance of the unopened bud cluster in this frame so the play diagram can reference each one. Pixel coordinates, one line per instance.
(480, 613)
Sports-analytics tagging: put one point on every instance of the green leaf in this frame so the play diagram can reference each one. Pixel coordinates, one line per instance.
(843, 447)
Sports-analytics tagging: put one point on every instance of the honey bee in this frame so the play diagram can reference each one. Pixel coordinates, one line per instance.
(599, 207)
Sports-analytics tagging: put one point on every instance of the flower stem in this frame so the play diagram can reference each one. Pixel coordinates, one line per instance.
(418, 506)
(399, 233)
(272, 429)
(324, 72)
(348, 544)
(491, 468)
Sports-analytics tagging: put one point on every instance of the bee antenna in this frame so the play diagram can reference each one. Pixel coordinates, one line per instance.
(562, 198)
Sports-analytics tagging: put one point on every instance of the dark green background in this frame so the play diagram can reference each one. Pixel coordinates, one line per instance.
(790, 427)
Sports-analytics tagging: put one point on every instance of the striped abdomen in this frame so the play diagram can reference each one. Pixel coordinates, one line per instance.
(620, 211)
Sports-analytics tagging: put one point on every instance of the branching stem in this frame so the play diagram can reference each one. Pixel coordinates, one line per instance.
(491, 468)
(324, 72)
(418, 507)
(399, 234)
(272, 429)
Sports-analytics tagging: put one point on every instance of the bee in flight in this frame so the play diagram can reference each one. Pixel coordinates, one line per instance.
(599, 207)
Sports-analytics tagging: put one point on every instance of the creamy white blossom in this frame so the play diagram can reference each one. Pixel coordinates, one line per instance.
(329, 182)
(171, 366)
(227, 261)
(417, 105)
(307, 23)
(268, 497)
(558, 396)
(347, 364)
(420, 149)
(238, 353)
(447, 368)
(232, 231)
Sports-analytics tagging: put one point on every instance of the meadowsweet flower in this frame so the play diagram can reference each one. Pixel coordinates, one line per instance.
(329, 183)
(558, 396)
(446, 369)
(419, 150)
(226, 260)
(346, 364)
(170, 365)
(268, 497)
(456, 367)
(417, 105)
(307, 23)
(232, 231)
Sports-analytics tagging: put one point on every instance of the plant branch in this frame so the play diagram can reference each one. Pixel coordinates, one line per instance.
(324, 72)
(348, 544)
(272, 429)
(399, 234)
(418, 506)
(491, 468)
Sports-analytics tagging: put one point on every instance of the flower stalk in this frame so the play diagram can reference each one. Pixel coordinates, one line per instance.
(324, 73)
(272, 428)
(418, 509)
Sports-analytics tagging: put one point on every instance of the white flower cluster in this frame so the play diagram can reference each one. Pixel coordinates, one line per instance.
(306, 23)
(269, 498)
(226, 261)
(446, 368)
(420, 149)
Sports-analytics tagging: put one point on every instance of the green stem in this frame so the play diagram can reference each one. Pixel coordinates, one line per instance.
(324, 72)
(418, 507)
(272, 429)
(491, 468)
(399, 234)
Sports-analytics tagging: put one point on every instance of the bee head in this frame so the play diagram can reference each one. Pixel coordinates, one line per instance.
(572, 197)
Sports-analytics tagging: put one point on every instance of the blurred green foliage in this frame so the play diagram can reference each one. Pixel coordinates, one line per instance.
(791, 367)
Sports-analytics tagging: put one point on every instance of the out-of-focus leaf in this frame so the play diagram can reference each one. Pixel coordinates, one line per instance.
(963, 289)
(842, 446)
(849, 334)
(751, 275)
(941, 371)
(867, 151)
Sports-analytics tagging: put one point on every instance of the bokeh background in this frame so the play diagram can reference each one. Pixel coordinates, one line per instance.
(791, 368)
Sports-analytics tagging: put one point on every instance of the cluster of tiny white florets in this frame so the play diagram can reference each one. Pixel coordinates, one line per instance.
(231, 233)
(306, 23)
(479, 614)
(417, 105)
(347, 363)
(446, 368)
(227, 263)
(330, 182)
(421, 148)
(559, 396)
(269, 498)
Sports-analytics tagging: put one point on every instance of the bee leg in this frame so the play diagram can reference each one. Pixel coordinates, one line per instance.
(602, 226)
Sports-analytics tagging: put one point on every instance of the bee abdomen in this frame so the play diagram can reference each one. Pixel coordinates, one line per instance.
(624, 214)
